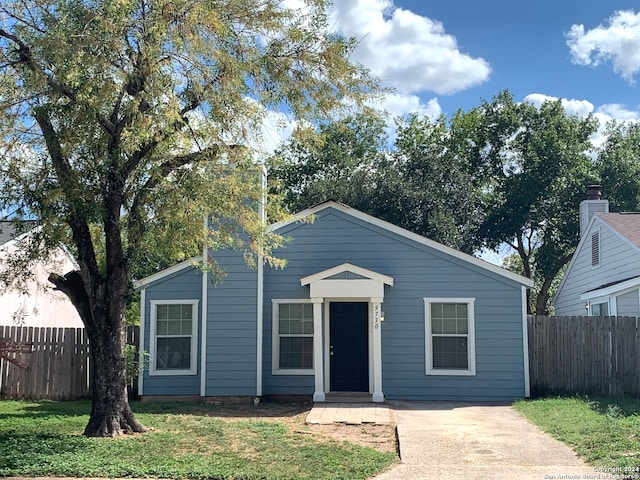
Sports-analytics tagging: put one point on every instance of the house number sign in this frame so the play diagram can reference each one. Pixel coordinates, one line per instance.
(376, 316)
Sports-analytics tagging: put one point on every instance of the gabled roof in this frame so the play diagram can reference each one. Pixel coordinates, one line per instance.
(347, 268)
(624, 224)
(310, 212)
(627, 224)
(167, 272)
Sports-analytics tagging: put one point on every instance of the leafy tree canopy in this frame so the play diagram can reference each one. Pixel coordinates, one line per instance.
(619, 167)
(123, 123)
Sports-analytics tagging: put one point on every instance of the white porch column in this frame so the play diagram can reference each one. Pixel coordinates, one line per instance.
(318, 367)
(377, 396)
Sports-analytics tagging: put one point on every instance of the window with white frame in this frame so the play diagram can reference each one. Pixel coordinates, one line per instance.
(292, 337)
(599, 308)
(450, 336)
(173, 337)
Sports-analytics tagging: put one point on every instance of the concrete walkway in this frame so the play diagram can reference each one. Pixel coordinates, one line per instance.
(447, 440)
(350, 413)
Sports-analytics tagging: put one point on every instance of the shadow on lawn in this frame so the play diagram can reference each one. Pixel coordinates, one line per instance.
(47, 408)
(615, 406)
(25, 450)
(44, 409)
(263, 410)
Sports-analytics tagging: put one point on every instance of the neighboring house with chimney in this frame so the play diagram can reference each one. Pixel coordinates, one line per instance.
(603, 277)
(32, 302)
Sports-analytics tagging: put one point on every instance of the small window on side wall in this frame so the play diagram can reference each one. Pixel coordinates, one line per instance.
(292, 337)
(173, 337)
(450, 336)
(600, 309)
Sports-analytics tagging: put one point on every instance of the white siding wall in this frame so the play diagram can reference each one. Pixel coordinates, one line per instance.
(619, 260)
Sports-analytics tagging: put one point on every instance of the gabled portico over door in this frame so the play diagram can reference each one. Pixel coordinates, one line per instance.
(347, 282)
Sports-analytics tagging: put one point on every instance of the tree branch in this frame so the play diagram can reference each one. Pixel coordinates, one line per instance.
(25, 58)
(136, 224)
(67, 180)
(72, 286)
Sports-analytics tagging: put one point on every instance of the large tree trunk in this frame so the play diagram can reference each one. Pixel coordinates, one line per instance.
(110, 411)
(111, 414)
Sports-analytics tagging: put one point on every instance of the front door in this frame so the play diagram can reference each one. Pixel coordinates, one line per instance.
(349, 346)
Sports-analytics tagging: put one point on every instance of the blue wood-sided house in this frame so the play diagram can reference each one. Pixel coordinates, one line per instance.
(362, 306)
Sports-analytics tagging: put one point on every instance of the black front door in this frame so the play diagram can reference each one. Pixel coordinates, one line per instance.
(349, 346)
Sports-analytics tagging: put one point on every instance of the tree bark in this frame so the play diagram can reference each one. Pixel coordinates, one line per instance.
(543, 297)
(110, 412)
(104, 321)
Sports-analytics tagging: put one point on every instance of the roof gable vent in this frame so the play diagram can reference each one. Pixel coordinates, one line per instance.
(595, 249)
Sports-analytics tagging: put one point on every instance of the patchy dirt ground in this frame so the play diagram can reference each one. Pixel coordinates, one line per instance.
(378, 437)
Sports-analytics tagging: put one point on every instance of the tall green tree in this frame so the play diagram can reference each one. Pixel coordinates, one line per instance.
(536, 165)
(123, 123)
(619, 167)
(434, 190)
(332, 161)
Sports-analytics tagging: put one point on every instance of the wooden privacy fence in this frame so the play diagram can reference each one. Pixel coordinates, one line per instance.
(57, 365)
(590, 355)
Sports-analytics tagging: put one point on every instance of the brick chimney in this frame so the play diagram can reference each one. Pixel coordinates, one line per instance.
(592, 204)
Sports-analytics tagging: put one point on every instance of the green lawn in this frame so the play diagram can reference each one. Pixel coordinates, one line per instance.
(187, 441)
(605, 432)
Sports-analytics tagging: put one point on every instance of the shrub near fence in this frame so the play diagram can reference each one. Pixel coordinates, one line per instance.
(58, 364)
(589, 355)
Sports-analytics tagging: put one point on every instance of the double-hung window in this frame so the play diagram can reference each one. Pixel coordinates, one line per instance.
(173, 334)
(292, 337)
(449, 336)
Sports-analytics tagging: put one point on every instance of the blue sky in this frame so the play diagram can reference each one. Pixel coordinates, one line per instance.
(444, 55)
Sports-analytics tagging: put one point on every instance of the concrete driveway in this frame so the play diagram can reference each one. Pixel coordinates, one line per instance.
(446, 440)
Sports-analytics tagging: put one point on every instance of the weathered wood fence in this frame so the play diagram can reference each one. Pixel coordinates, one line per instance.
(588, 355)
(58, 366)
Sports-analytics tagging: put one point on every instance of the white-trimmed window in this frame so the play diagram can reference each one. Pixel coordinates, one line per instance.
(292, 337)
(173, 344)
(450, 336)
(599, 308)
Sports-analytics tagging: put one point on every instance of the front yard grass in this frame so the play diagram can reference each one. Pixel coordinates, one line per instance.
(198, 441)
(605, 432)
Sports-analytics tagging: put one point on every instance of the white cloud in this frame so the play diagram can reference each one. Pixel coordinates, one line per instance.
(409, 52)
(399, 104)
(276, 128)
(604, 113)
(581, 108)
(618, 42)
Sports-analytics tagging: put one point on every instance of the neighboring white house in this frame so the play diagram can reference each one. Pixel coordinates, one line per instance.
(603, 277)
(35, 303)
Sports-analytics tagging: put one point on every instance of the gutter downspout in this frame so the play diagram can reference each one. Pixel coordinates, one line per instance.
(204, 319)
(260, 291)
(141, 349)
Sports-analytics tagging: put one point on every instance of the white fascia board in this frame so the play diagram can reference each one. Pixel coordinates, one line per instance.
(308, 214)
(167, 271)
(347, 267)
(617, 289)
